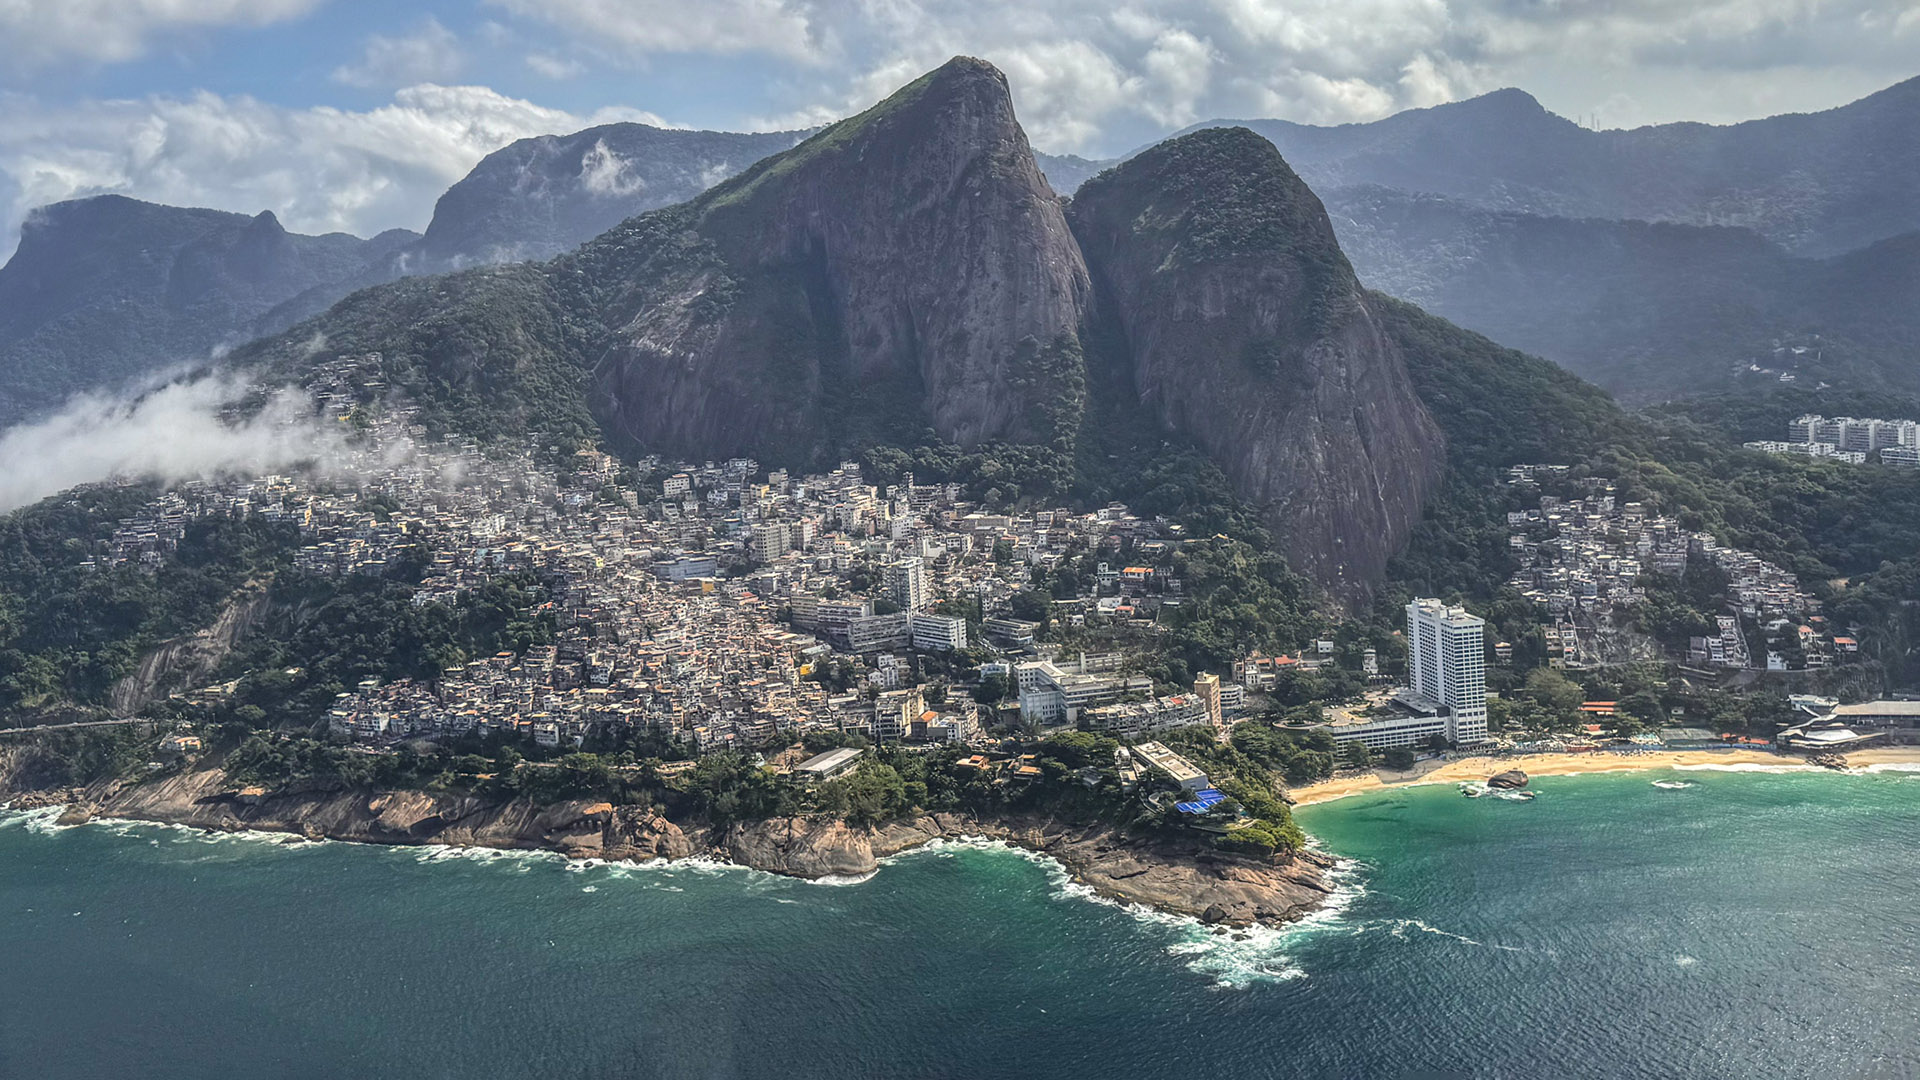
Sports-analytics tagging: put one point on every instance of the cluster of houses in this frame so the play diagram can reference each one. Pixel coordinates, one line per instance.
(1583, 561)
(716, 604)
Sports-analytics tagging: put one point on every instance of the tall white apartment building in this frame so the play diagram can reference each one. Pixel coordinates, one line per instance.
(1447, 662)
(907, 579)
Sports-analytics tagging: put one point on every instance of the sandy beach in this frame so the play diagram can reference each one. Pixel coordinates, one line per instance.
(1479, 768)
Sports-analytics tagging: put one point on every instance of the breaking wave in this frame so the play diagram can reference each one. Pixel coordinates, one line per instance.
(1673, 785)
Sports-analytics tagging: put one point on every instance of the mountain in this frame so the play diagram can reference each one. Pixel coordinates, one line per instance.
(542, 196)
(1649, 311)
(914, 250)
(1818, 184)
(1248, 331)
(109, 288)
(905, 285)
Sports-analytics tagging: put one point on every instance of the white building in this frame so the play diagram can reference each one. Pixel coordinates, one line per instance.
(1447, 663)
(907, 579)
(938, 633)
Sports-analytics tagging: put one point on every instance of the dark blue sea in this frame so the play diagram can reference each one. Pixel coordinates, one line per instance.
(1684, 924)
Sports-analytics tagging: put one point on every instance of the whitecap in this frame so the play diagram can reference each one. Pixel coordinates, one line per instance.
(1400, 928)
(836, 880)
(1684, 961)
(589, 888)
(1233, 960)
(44, 821)
(1672, 785)
(1893, 767)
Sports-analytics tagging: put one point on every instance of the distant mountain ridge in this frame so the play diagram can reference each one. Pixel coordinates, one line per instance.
(1818, 184)
(1648, 311)
(108, 289)
(542, 196)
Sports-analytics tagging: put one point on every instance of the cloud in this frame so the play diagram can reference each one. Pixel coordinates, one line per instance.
(606, 173)
(430, 54)
(1092, 76)
(319, 169)
(41, 33)
(554, 67)
(180, 431)
(640, 28)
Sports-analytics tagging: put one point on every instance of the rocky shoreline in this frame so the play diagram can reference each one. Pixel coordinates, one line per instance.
(1179, 875)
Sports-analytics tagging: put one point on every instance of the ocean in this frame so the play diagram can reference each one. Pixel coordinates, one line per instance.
(1676, 924)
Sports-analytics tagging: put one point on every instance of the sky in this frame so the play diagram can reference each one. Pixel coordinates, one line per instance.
(353, 115)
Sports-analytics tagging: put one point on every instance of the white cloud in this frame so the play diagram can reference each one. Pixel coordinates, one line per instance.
(606, 173)
(319, 169)
(429, 54)
(638, 28)
(177, 432)
(554, 67)
(1095, 76)
(41, 33)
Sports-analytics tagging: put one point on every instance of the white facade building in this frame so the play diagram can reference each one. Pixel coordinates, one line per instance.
(938, 633)
(1447, 662)
(907, 580)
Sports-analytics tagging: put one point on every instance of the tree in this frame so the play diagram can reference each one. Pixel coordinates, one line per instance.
(1555, 692)
(992, 689)
(1358, 756)
(1399, 759)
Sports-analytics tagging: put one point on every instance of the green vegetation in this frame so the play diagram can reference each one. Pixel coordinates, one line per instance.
(68, 632)
(492, 354)
(1223, 194)
(323, 635)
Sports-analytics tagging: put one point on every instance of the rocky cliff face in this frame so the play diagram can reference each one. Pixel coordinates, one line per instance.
(1247, 331)
(915, 249)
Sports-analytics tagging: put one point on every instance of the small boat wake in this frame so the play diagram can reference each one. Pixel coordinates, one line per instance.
(1474, 789)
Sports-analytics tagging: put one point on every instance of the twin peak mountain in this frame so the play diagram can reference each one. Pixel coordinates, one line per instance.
(908, 273)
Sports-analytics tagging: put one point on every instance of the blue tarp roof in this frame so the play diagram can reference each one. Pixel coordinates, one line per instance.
(1203, 800)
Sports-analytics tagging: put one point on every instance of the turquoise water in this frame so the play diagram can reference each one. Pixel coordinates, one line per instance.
(1742, 926)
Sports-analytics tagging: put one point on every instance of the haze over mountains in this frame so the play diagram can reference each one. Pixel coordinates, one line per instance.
(1492, 211)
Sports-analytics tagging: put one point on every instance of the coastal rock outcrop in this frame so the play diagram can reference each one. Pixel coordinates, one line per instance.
(1510, 780)
(1247, 331)
(203, 798)
(1178, 873)
(909, 258)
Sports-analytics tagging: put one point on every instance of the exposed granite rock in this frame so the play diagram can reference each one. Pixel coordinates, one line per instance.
(913, 251)
(1248, 331)
(183, 661)
(1512, 779)
(1178, 873)
(203, 798)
